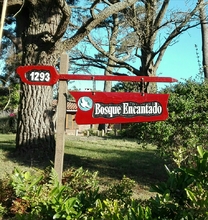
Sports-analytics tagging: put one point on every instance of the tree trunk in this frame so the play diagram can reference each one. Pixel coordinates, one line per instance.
(108, 84)
(204, 33)
(40, 25)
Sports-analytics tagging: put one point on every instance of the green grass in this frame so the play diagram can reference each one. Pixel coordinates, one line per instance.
(112, 158)
(7, 158)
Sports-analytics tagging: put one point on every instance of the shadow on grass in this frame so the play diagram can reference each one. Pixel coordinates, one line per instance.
(142, 165)
(10, 157)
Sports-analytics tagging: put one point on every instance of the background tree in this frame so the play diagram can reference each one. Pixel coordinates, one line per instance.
(204, 33)
(9, 83)
(150, 27)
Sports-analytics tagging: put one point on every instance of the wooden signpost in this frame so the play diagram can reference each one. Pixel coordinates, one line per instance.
(97, 107)
(61, 119)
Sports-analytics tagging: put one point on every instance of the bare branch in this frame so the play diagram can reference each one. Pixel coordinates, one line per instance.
(92, 23)
(161, 13)
(178, 30)
(93, 8)
(15, 40)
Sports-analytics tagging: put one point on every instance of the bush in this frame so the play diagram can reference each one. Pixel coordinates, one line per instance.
(186, 126)
(39, 195)
(8, 122)
(185, 194)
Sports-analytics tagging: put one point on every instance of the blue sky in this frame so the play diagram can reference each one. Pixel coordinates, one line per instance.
(180, 60)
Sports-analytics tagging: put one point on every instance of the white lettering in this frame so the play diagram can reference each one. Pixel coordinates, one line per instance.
(127, 108)
(107, 110)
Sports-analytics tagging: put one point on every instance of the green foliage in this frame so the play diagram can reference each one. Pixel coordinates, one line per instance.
(9, 97)
(186, 126)
(114, 210)
(121, 191)
(185, 194)
(126, 87)
(91, 132)
(39, 195)
(8, 123)
(84, 186)
(6, 196)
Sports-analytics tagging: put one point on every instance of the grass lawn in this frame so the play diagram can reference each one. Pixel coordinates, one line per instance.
(112, 158)
(7, 160)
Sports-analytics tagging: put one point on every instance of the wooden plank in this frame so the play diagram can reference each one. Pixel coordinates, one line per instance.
(61, 119)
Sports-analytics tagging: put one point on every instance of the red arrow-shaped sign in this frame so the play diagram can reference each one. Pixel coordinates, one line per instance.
(48, 75)
(38, 75)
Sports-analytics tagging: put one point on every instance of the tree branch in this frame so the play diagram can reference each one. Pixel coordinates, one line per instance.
(178, 30)
(116, 60)
(15, 40)
(66, 13)
(93, 22)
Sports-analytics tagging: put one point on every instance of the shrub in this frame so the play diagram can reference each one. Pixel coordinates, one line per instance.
(186, 126)
(8, 122)
(185, 194)
(39, 195)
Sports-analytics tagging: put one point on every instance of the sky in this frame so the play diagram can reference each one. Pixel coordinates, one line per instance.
(180, 60)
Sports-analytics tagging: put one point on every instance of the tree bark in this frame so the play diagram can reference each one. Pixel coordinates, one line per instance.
(204, 34)
(40, 25)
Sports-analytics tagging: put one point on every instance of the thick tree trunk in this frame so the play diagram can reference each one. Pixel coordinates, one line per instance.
(108, 84)
(35, 125)
(204, 33)
(148, 69)
(40, 29)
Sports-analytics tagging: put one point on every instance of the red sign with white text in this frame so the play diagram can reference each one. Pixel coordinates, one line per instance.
(48, 75)
(105, 107)
(118, 107)
(38, 75)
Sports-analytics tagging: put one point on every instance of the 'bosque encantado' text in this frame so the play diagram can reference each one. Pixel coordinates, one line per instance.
(127, 109)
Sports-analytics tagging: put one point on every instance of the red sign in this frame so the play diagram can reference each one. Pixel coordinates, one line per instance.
(48, 75)
(38, 75)
(118, 107)
(105, 107)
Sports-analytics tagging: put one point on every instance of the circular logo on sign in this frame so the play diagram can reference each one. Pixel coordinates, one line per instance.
(85, 103)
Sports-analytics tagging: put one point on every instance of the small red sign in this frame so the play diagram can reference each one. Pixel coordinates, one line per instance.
(38, 75)
(118, 107)
(48, 75)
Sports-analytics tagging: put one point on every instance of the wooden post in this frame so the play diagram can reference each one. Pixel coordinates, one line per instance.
(88, 133)
(102, 133)
(61, 118)
(3, 15)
